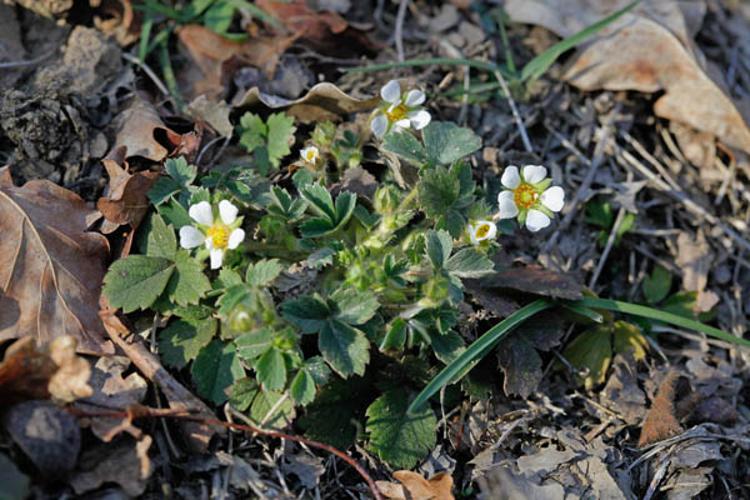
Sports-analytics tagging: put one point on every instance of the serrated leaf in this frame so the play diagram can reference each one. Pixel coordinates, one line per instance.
(215, 369)
(269, 410)
(263, 272)
(316, 227)
(271, 370)
(657, 285)
(447, 346)
(405, 145)
(228, 278)
(346, 202)
(591, 352)
(320, 201)
(308, 313)
(175, 214)
(188, 284)
(182, 341)
(446, 142)
(179, 170)
(302, 388)
(254, 131)
(280, 135)
(243, 392)
(399, 439)
(253, 344)
(438, 245)
(468, 263)
(136, 281)
(163, 189)
(354, 307)
(345, 348)
(318, 369)
(161, 240)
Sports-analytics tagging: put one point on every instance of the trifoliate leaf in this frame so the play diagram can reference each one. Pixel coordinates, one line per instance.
(136, 281)
(302, 388)
(231, 297)
(446, 142)
(215, 369)
(315, 227)
(179, 170)
(657, 285)
(591, 352)
(254, 132)
(271, 370)
(468, 263)
(163, 189)
(253, 344)
(330, 216)
(446, 346)
(306, 312)
(280, 136)
(182, 341)
(243, 392)
(626, 337)
(318, 369)
(354, 307)
(345, 348)
(399, 439)
(269, 410)
(438, 245)
(445, 196)
(161, 240)
(228, 278)
(263, 272)
(188, 284)
(175, 214)
(319, 200)
(405, 145)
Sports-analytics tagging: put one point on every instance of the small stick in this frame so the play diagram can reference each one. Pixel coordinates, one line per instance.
(516, 116)
(399, 29)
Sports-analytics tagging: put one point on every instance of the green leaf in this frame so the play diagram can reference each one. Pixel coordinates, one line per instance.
(445, 195)
(136, 281)
(175, 214)
(182, 341)
(447, 346)
(163, 189)
(541, 63)
(280, 135)
(345, 348)
(405, 145)
(179, 170)
(438, 245)
(346, 202)
(320, 201)
(400, 439)
(627, 337)
(231, 297)
(254, 131)
(468, 263)
(306, 312)
(218, 17)
(591, 352)
(354, 307)
(446, 142)
(269, 410)
(215, 369)
(161, 240)
(263, 272)
(271, 370)
(302, 388)
(657, 285)
(253, 344)
(243, 392)
(188, 284)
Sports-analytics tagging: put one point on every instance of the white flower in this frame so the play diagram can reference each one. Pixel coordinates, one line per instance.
(482, 230)
(399, 111)
(310, 154)
(529, 197)
(218, 235)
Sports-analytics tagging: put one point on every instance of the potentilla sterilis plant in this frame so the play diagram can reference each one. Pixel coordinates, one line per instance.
(219, 235)
(529, 197)
(481, 231)
(399, 111)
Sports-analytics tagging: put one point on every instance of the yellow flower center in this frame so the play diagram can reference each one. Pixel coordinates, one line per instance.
(219, 235)
(525, 196)
(397, 113)
(310, 155)
(482, 231)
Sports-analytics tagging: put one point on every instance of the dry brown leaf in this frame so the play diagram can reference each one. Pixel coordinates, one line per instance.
(53, 370)
(51, 266)
(324, 101)
(118, 19)
(126, 200)
(649, 49)
(415, 487)
(661, 420)
(695, 258)
(537, 280)
(213, 55)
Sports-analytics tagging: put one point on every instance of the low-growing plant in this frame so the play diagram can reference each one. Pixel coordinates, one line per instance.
(285, 292)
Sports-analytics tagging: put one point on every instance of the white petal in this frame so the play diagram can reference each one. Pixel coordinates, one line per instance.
(391, 92)
(492, 232)
(415, 98)
(202, 213)
(190, 237)
(405, 123)
(235, 239)
(506, 207)
(379, 125)
(473, 234)
(310, 154)
(536, 220)
(217, 257)
(420, 119)
(534, 173)
(228, 212)
(510, 178)
(553, 198)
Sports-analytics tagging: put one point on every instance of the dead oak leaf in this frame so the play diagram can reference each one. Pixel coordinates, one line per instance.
(415, 487)
(51, 266)
(126, 200)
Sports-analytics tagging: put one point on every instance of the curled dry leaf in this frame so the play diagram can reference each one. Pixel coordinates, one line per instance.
(661, 420)
(324, 101)
(415, 487)
(51, 266)
(53, 370)
(117, 18)
(650, 49)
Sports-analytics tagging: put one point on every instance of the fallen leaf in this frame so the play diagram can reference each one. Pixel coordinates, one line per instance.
(51, 266)
(47, 434)
(537, 280)
(324, 101)
(622, 393)
(308, 468)
(415, 487)
(213, 56)
(214, 112)
(661, 420)
(521, 366)
(649, 49)
(695, 259)
(125, 463)
(116, 18)
(126, 200)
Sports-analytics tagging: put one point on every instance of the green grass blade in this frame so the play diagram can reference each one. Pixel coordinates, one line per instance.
(541, 63)
(148, 23)
(430, 61)
(586, 312)
(478, 348)
(664, 317)
(256, 12)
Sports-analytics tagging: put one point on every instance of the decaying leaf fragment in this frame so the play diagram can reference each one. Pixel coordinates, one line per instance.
(415, 487)
(51, 266)
(126, 200)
